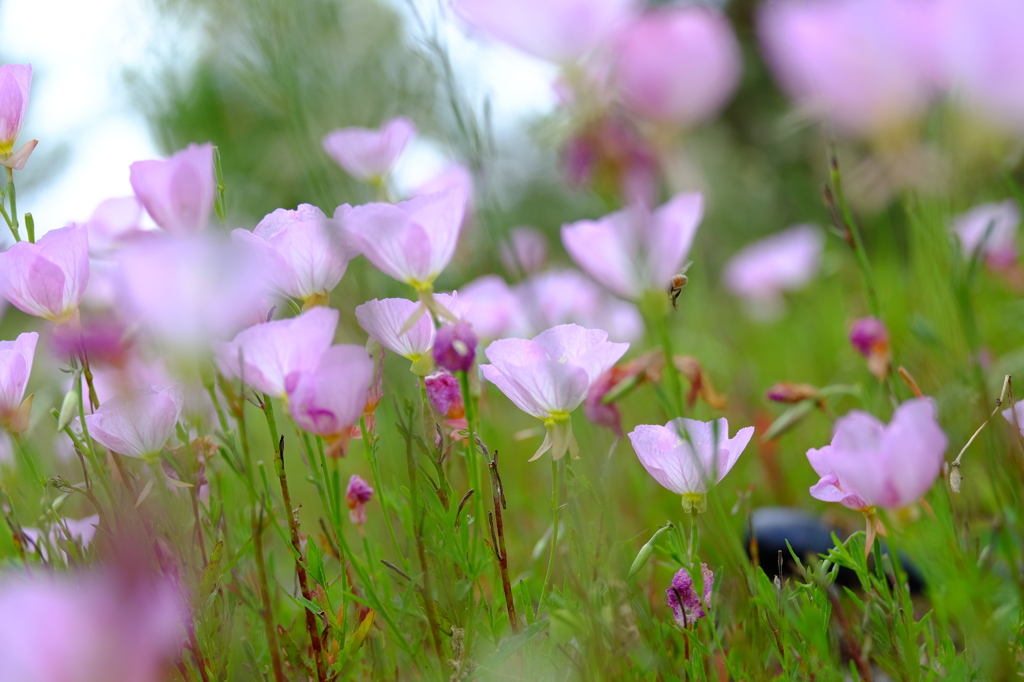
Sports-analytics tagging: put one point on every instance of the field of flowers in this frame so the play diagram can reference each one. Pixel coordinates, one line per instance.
(715, 382)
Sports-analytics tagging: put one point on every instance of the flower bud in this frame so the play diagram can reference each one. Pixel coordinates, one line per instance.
(687, 606)
(455, 347)
(869, 336)
(788, 392)
(357, 495)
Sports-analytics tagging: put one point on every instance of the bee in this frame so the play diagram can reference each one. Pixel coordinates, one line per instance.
(675, 286)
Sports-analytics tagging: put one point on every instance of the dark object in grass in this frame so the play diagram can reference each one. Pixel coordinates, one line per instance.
(809, 536)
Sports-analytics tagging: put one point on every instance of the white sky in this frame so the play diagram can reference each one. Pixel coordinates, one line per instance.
(80, 50)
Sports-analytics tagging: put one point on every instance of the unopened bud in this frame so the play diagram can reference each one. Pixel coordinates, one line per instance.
(68, 409)
(455, 347)
(787, 392)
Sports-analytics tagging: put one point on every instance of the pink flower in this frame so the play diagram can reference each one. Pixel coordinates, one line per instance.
(187, 293)
(178, 192)
(687, 611)
(887, 466)
(981, 51)
(137, 426)
(863, 65)
(452, 176)
(548, 377)
(89, 628)
(688, 456)
(384, 321)
(1008, 415)
(15, 367)
(271, 357)
(304, 251)
(556, 30)
(634, 251)
(678, 65)
(367, 154)
(357, 495)
(15, 85)
(330, 398)
(455, 347)
(567, 296)
(47, 279)
(411, 241)
(992, 230)
(783, 262)
(526, 251)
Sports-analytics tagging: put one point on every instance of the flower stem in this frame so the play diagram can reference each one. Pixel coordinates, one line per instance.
(555, 507)
(444, 490)
(855, 240)
(12, 219)
(425, 588)
(266, 612)
(498, 497)
(371, 456)
(472, 463)
(293, 527)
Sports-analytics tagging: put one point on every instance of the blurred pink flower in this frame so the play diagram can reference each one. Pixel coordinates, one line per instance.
(15, 368)
(80, 531)
(889, 466)
(612, 157)
(866, 66)
(366, 153)
(688, 456)
(548, 377)
(1018, 418)
(455, 347)
(491, 307)
(783, 262)
(634, 251)
(556, 30)
(692, 605)
(89, 628)
(678, 65)
(137, 426)
(187, 293)
(303, 250)
(567, 296)
(357, 495)
(411, 241)
(47, 279)
(178, 193)
(102, 336)
(594, 407)
(992, 229)
(15, 86)
(330, 398)
(870, 338)
(271, 357)
(525, 252)
(452, 176)
(384, 319)
(113, 222)
(982, 53)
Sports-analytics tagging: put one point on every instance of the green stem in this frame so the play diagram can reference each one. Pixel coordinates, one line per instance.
(857, 241)
(472, 463)
(429, 434)
(555, 507)
(29, 460)
(371, 455)
(12, 220)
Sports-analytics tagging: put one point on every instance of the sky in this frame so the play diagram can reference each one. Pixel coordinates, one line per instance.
(80, 98)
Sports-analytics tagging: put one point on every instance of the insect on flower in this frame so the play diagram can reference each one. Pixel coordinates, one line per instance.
(675, 287)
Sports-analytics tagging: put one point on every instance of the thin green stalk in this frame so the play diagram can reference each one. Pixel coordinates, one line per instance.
(856, 241)
(555, 507)
(429, 435)
(29, 460)
(371, 456)
(472, 464)
(12, 220)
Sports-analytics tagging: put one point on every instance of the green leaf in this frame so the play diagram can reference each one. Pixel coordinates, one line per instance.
(356, 639)
(790, 418)
(315, 563)
(212, 572)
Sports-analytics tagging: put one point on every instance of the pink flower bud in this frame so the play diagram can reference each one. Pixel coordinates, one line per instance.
(455, 347)
(687, 606)
(357, 495)
(869, 336)
(445, 396)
